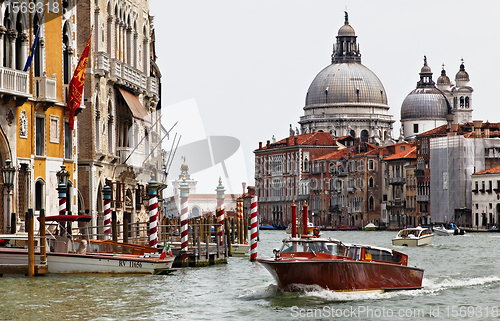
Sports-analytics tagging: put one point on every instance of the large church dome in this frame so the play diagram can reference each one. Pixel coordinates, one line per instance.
(346, 83)
(347, 98)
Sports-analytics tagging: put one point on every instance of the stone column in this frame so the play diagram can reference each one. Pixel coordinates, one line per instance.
(3, 31)
(11, 54)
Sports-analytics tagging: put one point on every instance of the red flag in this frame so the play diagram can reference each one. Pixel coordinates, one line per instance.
(75, 88)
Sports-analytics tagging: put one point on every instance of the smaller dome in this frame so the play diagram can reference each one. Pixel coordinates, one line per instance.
(462, 75)
(443, 79)
(425, 69)
(346, 31)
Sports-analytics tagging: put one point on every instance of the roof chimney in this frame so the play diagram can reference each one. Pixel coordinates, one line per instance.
(477, 127)
(260, 145)
(268, 144)
(295, 140)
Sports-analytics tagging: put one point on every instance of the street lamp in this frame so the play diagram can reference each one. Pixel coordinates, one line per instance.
(8, 174)
(63, 175)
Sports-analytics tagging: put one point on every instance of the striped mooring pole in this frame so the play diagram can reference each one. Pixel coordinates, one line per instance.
(253, 229)
(61, 188)
(153, 212)
(106, 191)
(239, 210)
(184, 191)
(220, 212)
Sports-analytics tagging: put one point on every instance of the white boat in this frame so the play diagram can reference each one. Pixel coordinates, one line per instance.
(370, 227)
(67, 256)
(310, 228)
(239, 249)
(414, 236)
(443, 231)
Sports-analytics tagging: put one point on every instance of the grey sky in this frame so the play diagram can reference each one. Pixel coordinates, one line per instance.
(249, 64)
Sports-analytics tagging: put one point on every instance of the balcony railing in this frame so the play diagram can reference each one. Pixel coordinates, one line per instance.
(423, 198)
(102, 62)
(397, 180)
(128, 74)
(135, 159)
(396, 203)
(45, 88)
(152, 85)
(14, 82)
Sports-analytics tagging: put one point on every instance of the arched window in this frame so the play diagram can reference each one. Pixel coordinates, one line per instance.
(371, 203)
(37, 61)
(364, 135)
(370, 182)
(466, 102)
(67, 52)
(462, 101)
(110, 129)
(39, 195)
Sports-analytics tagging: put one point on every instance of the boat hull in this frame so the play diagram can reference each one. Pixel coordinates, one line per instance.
(239, 249)
(69, 263)
(443, 232)
(343, 275)
(410, 241)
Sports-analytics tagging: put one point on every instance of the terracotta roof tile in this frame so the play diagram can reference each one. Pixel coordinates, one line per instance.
(334, 155)
(493, 170)
(410, 153)
(323, 139)
(441, 130)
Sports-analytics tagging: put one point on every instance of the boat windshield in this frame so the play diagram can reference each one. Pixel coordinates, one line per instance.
(316, 247)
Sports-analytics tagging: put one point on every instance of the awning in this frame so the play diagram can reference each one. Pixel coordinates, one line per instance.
(135, 106)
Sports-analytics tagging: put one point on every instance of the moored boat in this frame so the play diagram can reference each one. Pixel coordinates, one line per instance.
(443, 231)
(336, 266)
(413, 236)
(370, 227)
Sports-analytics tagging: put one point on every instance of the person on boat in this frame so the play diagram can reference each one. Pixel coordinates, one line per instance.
(316, 232)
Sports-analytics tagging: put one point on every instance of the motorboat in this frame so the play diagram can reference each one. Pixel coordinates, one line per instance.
(370, 227)
(443, 231)
(413, 236)
(65, 255)
(333, 265)
(310, 227)
(239, 249)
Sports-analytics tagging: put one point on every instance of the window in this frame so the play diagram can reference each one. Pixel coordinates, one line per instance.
(40, 136)
(371, 203)
(67, 141)
(54, 129)
(415, 128)
(370, 182)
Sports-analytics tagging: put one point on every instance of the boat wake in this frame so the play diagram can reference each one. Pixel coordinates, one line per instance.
(430, 287)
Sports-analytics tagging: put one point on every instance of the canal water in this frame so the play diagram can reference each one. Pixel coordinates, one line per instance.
(461, 281)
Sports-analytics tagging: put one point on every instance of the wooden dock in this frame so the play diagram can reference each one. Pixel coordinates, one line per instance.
(40, 269)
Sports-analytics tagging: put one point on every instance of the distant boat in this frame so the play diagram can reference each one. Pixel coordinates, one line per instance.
(370, 227)
(310, 228)
(414, 236)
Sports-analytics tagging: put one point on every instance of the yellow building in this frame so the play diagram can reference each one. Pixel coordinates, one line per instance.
(34, 129)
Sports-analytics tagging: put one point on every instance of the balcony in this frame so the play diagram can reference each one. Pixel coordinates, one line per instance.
(152, 86)
(342, 173)
(419, 173)
(334, 208)
(351, 189)
(397, 180)
(102, 63)
(397, 203)
(14, 84)
(423, 198)
(135, 159)
(45, 90)
(127, 75)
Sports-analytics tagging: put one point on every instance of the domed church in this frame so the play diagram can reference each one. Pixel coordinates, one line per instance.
(429, 106)
(347, 98)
